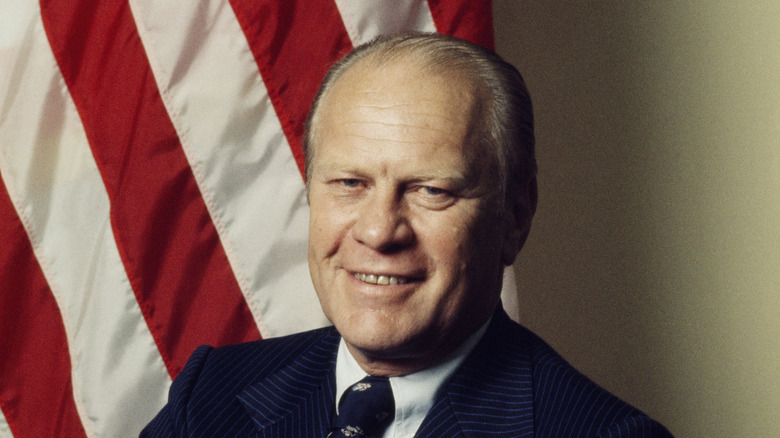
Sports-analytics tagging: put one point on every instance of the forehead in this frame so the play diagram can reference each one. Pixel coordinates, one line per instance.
(402, 76)
(400, 99)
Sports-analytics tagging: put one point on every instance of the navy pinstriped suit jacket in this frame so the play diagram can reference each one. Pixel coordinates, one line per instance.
(512, 385)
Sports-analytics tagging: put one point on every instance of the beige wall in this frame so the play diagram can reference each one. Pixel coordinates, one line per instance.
(654, 261)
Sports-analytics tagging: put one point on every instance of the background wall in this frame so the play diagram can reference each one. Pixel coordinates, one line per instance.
(654, 261)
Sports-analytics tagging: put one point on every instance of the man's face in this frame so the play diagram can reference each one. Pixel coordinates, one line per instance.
(404, 238)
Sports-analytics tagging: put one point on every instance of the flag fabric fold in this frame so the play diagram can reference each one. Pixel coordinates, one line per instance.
(151, 188)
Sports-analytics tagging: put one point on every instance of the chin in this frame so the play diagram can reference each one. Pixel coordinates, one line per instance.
(372, 334)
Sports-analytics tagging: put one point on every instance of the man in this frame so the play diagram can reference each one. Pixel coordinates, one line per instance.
(421, 181)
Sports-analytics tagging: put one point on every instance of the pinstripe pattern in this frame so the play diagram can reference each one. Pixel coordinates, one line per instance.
(512, 385)
(280, 387)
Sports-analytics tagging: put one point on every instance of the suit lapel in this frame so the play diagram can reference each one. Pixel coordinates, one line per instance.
(298, 399)
(491, 393)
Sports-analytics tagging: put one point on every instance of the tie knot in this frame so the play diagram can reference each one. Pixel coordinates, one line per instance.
(366, 408)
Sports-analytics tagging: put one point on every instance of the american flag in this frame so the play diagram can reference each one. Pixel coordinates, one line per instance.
(151, 189)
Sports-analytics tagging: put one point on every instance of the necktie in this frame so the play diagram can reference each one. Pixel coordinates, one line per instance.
(366, 409)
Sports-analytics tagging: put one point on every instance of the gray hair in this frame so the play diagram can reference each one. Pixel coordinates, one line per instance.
(507, 120)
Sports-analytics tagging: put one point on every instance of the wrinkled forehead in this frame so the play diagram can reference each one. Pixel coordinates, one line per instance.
(414, 69)
(406, 84)
(401, 94)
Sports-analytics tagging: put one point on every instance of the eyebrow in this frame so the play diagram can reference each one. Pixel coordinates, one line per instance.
(446, 176)
(422, 176)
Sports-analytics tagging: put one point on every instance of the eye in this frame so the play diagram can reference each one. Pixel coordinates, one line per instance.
(434, 197)
(348, 186)
(342, 184)
(433, 191)
(349, 182)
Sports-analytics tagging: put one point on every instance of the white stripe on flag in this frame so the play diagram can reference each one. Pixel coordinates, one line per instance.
(119, 380)
(366, 20)
(5, 431)
(245, 170)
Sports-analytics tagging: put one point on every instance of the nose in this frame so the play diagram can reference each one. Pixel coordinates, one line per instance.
(382, 222)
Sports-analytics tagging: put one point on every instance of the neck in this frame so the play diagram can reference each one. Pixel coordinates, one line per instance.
(396, 365)
(376, 365)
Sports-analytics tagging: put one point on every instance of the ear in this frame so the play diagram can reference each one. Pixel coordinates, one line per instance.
(521, 208)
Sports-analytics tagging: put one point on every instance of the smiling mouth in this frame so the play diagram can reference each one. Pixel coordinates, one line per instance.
(380, 279)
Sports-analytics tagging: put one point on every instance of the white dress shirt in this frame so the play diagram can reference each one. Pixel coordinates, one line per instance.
(414, 394)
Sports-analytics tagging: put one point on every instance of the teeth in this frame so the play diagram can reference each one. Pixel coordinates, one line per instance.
(380, 279)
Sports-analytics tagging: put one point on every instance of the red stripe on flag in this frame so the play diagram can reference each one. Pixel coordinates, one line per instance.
(294, 43)
(170, 248)
(36, 392)
(471, 20)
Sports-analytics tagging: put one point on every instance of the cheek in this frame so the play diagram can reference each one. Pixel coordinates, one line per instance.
(320, 242)
(448, 245)
(325, 229)
(470, 248)
(460, 235)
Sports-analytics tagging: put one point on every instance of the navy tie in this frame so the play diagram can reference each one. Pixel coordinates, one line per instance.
(365, 410)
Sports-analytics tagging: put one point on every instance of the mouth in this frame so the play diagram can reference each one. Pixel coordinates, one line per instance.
(383, 280)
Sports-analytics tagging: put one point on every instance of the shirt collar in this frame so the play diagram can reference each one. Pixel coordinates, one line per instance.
(414, 394)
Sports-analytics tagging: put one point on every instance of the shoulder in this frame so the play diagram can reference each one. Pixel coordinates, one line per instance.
(566, 403)
(213, 377)
(257, 359)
